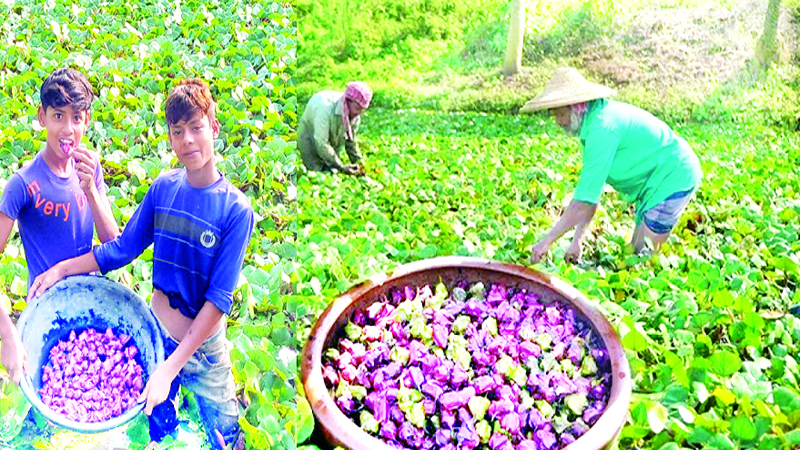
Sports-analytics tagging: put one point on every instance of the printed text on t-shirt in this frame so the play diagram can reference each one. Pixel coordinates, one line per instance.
(50, 208)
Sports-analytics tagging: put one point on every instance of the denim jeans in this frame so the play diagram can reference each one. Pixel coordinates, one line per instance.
(662, 217)
(208, 375)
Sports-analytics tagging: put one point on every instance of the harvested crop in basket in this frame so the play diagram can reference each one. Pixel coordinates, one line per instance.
(92, 377)
(471, 368)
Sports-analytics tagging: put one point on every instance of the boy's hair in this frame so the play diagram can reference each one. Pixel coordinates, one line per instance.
(188, 97)
(65, 87)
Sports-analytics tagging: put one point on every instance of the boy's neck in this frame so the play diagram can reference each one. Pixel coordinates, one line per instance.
(61, 167)
(204, 176)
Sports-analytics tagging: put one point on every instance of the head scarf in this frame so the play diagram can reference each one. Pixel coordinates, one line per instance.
(360, 93)
(576, 113)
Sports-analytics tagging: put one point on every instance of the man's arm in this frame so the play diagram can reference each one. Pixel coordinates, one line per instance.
(352, 151)
(87, 165)
(573, 254)
(322, 144)
(157, 388)
(352, 146)
(578, 214)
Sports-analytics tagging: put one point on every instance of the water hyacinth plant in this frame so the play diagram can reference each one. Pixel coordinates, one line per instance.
(469, 368)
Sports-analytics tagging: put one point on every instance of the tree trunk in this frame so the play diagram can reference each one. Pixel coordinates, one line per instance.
(516, 33)
(768, 44)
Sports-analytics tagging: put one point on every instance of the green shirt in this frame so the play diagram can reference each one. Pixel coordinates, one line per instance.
(634, 152)
(320, 132)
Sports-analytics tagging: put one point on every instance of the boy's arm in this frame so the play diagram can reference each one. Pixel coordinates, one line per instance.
(87, 165)
(15, 198)
(157, 388)
(137, 236)
(80, 264)
(13, 357)
(12, 352)
(6, 225)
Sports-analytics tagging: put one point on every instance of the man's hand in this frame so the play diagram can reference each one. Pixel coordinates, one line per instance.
(44, 280)
(353, 169)
(85, 165)
(573, 254)
(14, 357)
(157, 389)
(539, 251)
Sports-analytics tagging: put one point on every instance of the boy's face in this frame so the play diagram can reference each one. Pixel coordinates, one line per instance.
(63, 124)
(193, 140)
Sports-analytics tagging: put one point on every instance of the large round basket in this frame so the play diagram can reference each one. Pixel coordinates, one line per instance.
(339, 430)
(77, 303)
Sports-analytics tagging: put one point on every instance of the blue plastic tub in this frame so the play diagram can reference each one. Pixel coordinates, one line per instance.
(77, 303)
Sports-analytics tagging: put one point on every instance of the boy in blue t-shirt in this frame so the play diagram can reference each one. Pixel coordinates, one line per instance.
(199, 225)
(60, 197)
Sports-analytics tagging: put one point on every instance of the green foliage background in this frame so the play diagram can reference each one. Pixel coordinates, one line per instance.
(132, 54)
(452, 170)
(446, 54)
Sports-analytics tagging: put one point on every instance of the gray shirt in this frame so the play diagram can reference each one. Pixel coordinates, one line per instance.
(321, 133)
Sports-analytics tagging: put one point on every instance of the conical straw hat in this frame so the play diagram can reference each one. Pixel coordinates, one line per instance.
(567, 87)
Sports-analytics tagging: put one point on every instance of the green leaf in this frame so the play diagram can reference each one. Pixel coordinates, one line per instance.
(687, 415)
(669, 446)
(724, 395)
(743, 429)
(723, 299)
(787, 264)
(720, 442)
(675, 394)
(306, 423)
(19, 288)
(657, 417)
(725, 363)
(138, 431)
(787, 400)
(281, 336)
(632, 338)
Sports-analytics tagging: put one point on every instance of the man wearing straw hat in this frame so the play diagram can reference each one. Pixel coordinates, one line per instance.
(626, 147)
(329, 122)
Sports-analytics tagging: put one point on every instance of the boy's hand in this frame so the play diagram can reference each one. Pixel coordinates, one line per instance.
(157, 389)
(14, 357)
(85, 164)
(44, 280)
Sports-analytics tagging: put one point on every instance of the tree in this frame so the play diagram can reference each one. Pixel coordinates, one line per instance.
(768, 46)
(516, 33)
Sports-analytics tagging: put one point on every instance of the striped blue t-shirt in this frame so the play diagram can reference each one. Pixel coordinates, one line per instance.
(199, 237)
